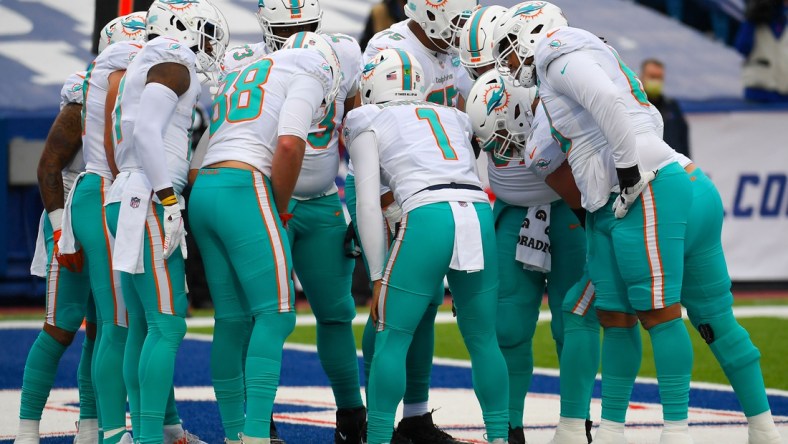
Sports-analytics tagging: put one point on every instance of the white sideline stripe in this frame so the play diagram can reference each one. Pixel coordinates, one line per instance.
(443, 317)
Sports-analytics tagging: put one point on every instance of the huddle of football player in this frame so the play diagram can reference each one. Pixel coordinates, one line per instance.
(591, 206)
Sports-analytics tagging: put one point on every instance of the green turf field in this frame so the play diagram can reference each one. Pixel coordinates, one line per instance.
(769, 335)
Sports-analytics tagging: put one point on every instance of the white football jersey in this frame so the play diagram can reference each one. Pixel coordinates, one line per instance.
(321, 160)
(115, 58)
(242, 55)
(177, 139)
(245, 118)
(583, 127)
(543, 155)
(445, 75)
(420, 144)
(71, 92)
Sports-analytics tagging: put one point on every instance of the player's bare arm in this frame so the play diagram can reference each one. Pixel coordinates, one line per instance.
(62, 144)
(112, 94)
(285, 168)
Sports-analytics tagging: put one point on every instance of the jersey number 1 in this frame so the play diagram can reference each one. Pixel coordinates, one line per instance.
(438, 132)
(246, 99)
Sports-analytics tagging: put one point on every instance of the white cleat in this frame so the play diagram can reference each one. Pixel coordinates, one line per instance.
(126, 439)
(28, 432)
(763, 436)
(500, 441)
(675, 437)
(87, 431)
(607, 436)
(175, 434)
(570, 431)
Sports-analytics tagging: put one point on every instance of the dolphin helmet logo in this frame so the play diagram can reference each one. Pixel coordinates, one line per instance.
(132, 26)
(179, 5)
(498, 99)
(530, 10)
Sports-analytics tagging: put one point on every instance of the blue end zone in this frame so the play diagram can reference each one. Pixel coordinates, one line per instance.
(299, 369)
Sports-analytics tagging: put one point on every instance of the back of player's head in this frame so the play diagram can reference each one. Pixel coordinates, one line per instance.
(197, 24)
(441, 20)
(501, 115)
(311, 40)
(394, 74)
(129, 27)
(518, 33)
(476, 40)
(278, 17)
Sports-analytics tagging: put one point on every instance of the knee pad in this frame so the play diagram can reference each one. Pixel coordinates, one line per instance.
(171, 328)
(729, 341)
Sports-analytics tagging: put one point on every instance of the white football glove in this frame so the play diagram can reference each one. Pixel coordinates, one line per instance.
(631, 193)
(174, 231)
(393, 214)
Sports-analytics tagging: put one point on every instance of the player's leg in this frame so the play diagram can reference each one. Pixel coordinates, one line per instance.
(137, 329)
(66, 301)
(579, 362)
(162, 293)
(519, 297)
(89, 425)
(317, 234)
(475, 299)
(409, 282)
(568, 246)
(256, 244)
(417, 419)
(233, 320)
(706, 295)
(92, 232)
(621, 347)
(649, 248)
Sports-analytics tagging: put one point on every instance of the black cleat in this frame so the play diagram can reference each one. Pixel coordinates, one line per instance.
(421, 430)
(589, 426)
(275, 439)
(350, 425)
(516, 435)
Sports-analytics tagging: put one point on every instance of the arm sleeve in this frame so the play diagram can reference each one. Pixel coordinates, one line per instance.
(364, 154)
(157, 104)
(304, 97)
(580, 77)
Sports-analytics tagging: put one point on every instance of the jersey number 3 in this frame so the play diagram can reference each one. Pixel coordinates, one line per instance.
(244, 92)
(441, 138)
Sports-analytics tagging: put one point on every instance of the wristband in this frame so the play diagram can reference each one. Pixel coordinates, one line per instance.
(56, 219)
(628, 177)
(169, 200)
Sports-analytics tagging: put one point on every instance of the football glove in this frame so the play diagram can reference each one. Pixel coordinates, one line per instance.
(632, 182)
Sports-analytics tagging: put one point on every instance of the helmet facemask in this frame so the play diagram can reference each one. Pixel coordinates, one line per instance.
(211, 44)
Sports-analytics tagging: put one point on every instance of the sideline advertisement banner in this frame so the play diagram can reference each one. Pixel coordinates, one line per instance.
(752, 177)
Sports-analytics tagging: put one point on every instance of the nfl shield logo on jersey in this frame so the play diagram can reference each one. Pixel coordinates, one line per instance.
(135, 202)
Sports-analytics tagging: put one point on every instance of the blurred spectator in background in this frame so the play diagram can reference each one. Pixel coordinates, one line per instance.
(382, 15)
(763, 41)
(652, 75)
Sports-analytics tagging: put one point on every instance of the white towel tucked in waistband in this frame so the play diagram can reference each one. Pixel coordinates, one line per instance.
(533, 245)
(134, 206)
(68, 243)
(468, 254)
(39, 265)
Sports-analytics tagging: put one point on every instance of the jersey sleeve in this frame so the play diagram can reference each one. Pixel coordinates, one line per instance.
(117, 56)
(543, 155)
(558, 42)
(349, 54)
(311, 63)
(167, 50)
(379, 42)
(463, 81)
(578, 76)
(357, 121)
(71, 92)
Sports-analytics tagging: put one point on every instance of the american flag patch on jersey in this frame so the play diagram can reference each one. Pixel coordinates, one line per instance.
(391, 76)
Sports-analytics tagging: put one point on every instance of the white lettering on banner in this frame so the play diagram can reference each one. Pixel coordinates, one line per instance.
(746, 156)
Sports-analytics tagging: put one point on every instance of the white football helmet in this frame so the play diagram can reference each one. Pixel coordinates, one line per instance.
(393, 74)
(277, 13)
(318, 43)
(476, 39)
(193, 23)
(501, 115)
(518, 32)
(129, 27)
(442, 20)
